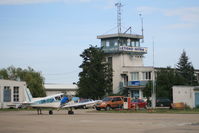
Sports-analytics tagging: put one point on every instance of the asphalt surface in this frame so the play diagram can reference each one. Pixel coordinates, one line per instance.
(87, 121)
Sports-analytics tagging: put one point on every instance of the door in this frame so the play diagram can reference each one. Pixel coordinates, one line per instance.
(196, 99)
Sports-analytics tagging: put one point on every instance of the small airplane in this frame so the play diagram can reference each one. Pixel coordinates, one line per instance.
(57, 101)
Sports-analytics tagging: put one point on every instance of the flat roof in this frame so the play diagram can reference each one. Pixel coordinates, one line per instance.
(133, 36)
(60, 87)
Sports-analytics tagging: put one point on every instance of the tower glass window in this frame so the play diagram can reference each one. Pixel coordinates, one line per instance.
(107, 44)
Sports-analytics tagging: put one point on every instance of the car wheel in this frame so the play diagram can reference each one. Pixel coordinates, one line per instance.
(108, 108)
(98, 109)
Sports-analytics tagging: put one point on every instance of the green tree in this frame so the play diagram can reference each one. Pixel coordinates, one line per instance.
(95, 80)
(164, 82)
(185, 69)
(33, 79)
(147, 92)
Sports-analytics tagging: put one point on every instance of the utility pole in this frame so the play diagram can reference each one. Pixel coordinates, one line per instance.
(153, 90)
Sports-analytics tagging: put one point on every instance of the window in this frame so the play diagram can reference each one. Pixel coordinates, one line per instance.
(7, 94)
(134, 76)
(16, 94)
(116, 44)
(146, 75)
(110, 61)
(117, 99)
(107, 44)
(129, 42)
(57, 98)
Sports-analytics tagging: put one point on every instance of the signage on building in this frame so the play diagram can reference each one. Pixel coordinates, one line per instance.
(132, 49)
(135, 83)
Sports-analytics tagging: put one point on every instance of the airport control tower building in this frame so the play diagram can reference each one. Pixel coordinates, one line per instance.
(125, 53)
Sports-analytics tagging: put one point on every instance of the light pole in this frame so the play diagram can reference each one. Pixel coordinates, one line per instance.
(153, 90)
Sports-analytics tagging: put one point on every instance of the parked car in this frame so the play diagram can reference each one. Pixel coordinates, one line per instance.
(163, 102)
(110, 102)
(138, 103)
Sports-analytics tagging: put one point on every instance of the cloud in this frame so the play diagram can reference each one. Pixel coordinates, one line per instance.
(185, 14)
(22, 2)
(180, 26)
(187, 17)
(189, 14)
(147, 9)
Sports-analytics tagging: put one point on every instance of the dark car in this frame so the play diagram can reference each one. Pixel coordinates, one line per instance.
(138, 103)
(163, 102)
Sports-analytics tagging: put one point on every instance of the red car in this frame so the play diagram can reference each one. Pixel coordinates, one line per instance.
(138, 103)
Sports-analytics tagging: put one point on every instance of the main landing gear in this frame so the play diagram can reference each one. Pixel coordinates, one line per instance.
(50, 112)
(70, 111)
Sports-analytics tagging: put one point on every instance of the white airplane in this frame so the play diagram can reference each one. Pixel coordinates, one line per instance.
(57, 101)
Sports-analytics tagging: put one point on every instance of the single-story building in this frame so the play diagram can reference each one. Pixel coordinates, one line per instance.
(188, 95)
(12, 93)
(52, 89)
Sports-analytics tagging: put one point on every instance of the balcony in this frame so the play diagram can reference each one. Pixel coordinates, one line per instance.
(133, 83)
(137, 83)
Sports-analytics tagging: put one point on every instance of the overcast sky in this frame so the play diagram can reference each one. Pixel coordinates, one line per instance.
(49, 35)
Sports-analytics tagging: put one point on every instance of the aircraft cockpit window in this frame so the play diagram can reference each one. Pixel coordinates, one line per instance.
(57, 98)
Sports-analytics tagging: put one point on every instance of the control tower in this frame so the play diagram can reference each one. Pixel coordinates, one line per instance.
(125, 54)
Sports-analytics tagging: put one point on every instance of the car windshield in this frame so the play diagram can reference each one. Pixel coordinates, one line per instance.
(107, 99)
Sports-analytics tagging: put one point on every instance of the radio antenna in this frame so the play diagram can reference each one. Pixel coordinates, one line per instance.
(119, 23)
(142, 27)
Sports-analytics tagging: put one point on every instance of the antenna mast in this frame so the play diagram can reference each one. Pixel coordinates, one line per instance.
(141, 18)
(119, 23)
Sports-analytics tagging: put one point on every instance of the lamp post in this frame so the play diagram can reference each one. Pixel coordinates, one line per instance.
(153, 90)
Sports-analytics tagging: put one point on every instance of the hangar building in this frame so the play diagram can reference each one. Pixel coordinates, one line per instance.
(52, 89)
(12, 93)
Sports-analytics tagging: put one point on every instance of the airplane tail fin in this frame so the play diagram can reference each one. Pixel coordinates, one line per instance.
(28, 95)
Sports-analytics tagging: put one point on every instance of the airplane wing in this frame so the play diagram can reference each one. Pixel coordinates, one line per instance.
(71, 104)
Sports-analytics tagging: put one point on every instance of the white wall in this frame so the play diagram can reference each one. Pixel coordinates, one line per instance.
(11, 84)
(128, 63)
(184, 94)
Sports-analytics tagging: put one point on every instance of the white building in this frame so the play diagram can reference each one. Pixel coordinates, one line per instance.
(124, 53)
(12, 93)
(52, 89)
(188, 95)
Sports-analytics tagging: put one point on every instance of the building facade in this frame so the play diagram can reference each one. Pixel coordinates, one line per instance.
(188, 95)
(12, 93)
(125, 54)
(52, 89)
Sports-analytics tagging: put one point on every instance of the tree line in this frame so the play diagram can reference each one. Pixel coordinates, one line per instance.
(183, 74)
(33, 79)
